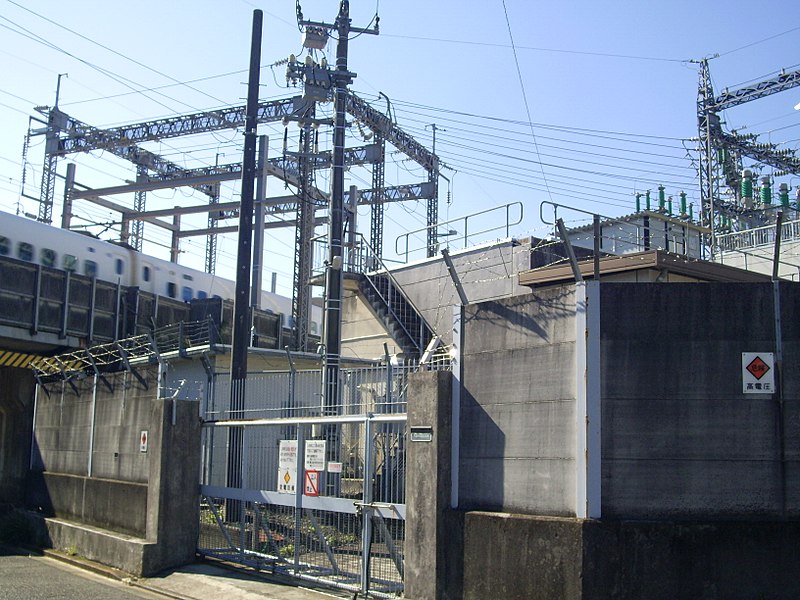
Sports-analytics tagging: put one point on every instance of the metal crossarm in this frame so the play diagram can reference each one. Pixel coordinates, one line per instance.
(729, 99)
(83, 138)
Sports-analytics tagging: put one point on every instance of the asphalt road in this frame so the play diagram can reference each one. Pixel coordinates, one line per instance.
(30, 577)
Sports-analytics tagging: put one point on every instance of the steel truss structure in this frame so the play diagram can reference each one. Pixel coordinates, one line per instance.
(721, 152)
(67, 135)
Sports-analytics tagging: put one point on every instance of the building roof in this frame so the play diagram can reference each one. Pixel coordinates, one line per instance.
(653, 260)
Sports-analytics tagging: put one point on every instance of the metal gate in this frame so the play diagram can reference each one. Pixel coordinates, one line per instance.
(322, 495)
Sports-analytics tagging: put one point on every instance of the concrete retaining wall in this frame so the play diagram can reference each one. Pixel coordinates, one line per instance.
(140, 514)
(71, 420)
(527, 557)
(119, 506)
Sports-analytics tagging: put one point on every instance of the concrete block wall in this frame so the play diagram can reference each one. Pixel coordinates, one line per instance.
(517, 425)
(679, 438)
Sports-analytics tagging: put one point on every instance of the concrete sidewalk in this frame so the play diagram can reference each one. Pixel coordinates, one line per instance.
(209, 580)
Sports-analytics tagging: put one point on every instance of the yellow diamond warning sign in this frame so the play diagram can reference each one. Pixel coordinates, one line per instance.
(287, 466)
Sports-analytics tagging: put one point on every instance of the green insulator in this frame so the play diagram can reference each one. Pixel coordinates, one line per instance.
(783, 195)
(669, 206)
(638, 202)
(747, 188)
(691, 212)
(661, 198)
(683, 203)
(766, 191)
(647, 200)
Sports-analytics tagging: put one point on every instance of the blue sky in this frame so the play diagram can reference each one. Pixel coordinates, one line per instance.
(592, 102)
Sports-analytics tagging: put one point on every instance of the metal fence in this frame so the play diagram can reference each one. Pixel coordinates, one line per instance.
(322, 495)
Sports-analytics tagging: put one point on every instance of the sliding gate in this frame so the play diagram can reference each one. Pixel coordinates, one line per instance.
(318, 496)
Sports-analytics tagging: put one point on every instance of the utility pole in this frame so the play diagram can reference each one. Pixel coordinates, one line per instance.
(333, 275)
(241, 306)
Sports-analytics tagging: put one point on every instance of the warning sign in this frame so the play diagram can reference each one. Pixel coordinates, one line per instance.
(758, 373)
(312, 483)
(143, 441)
(315, 455)
(287, 466)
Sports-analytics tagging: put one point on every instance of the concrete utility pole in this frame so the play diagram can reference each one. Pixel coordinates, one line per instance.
(333, 275)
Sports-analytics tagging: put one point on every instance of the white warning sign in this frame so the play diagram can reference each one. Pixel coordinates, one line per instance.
(287, 466)
(315, 455)
(758, 373)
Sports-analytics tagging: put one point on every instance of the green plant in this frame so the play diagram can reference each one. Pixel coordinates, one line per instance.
(287, 551)
(71, 551)
(16, 529)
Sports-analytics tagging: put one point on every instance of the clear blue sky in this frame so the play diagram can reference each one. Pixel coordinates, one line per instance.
(607, 86)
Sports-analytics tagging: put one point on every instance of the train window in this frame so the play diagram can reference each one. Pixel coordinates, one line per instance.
(186, 293)
(90, 268)
(70, 262)
(48, 257)
(5, 245)
(201, 295)
(119, 266)
(172, 289)
(25, 251)
(146, 273)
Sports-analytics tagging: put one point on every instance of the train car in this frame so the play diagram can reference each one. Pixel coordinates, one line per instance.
(31, 241)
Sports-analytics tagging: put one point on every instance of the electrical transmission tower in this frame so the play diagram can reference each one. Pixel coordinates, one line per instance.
(721, 152)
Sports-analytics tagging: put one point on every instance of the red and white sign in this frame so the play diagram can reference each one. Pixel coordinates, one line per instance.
(143, 441)
(312, 483)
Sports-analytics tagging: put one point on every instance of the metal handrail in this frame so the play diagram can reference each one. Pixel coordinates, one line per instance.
(465, 219)
(361, 267)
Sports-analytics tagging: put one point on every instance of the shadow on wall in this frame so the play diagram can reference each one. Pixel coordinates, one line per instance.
(481, 466)
(16, 422)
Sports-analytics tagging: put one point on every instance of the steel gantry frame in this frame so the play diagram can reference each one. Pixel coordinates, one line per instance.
(67, 135)
(733, 146)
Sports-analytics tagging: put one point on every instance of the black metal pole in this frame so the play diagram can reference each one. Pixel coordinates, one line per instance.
(241, 306)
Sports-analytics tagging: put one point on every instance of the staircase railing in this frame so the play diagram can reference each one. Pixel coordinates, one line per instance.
(362, 258)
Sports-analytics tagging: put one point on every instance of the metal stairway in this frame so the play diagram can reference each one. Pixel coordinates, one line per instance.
(383, 294)
(396, 312)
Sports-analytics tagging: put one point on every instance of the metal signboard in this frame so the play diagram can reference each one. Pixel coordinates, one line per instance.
(287, 466)
(315, 455)
(758, 373)
(311, 483)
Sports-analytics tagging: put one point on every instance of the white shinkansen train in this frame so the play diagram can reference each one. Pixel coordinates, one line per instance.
(49, 246)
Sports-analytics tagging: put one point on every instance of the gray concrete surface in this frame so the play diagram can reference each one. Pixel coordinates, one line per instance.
(428, 486)
(679, 438)
(28, 576)
(540, 558)
(517, 426)
(16, 418)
